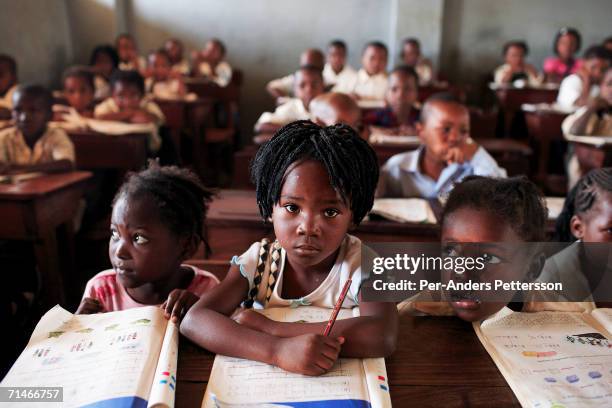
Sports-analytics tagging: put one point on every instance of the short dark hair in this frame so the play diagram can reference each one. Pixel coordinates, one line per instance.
(131, 77)
(10, 63)
(516, 43)
(38, 92)
(219, 44)
(178, 193)
(446, 97)
(349, 160)
(159, 51)
(311, 69)
(567, 31)
(124, 35)
(515, 200)
(376, 44)
(412, 41)
(581, 199)
(599, 52)
(82, 73)
(406, 71)
(338, 43)
(106, 49)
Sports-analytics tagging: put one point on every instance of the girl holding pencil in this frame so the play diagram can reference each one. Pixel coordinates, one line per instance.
(314, 184)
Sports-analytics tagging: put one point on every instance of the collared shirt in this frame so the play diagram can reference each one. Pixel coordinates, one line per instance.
(53, 145)
(168, 89)
(401, 175)
(141, 63)
(222, 74)
(364, 85)
(284, 84)
(501, 71)
(330, 77)
(289, 111)
(570, 90)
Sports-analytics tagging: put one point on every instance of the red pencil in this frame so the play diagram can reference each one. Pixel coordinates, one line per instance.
(337, 307)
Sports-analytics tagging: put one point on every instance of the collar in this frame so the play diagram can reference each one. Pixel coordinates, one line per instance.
(363, 75)
(411, 160)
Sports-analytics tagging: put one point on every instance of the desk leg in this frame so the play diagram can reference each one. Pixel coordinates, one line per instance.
(47, 259)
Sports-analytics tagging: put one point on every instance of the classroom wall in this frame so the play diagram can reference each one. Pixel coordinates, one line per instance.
(92, 22)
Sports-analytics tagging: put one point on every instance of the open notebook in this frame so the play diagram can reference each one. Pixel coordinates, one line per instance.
(595, 141)
(125, 358)
(404, 210)
(353, 382)
(553, 359)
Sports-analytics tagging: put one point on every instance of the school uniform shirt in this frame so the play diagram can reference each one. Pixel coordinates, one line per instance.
(6, 101)
(222, 74)
(385, 117)
(289, 111)
(500, 72)
(555, 65)
(129, 65)
(53, 145)
(112, 295)
(364, 85)
(347, 265)
(169, 89)
(570, 90)
(284, 84)
(424, 71)
(401, 175)
(182, 67)
(331, 78)
(102, 88)
(110, 106)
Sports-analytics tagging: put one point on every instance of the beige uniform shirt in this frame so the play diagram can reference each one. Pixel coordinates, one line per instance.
(52, 146)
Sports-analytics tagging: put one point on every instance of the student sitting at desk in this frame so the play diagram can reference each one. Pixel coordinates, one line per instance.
(411, 56)
(400, 115)
(515, 68)
(103, 62)
(128, 54)
(565, 46)
(210, 63)
(308, 85)
(128, 104)
(333, 108)
(313, 198)
(161, 81)
(370, 83)
(576, 89)
(284, 87)
(446, 156)
(174, 49)
(79, 93)
(31, 146)
(336, 68)
(155, 226)
(8, 85)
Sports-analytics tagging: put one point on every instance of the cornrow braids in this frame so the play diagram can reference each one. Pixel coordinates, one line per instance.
(350, 162)
(178, 193)
(581, 199)
(516, 200)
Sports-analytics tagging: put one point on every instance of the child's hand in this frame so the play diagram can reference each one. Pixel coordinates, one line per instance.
(90, 306)
(253, 320)
(178, 303)
(308, 354)
(461, 153)
(140, 116)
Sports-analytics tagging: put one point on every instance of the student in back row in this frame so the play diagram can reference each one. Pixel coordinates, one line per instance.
(370, 83)
(174, 49)
(210, 63)
(515, 68)
(285, 86)
(129, 59)
(336, 68)
(8, 85)
(162, 82)
(411, 57)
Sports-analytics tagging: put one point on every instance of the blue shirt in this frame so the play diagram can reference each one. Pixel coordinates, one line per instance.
(401, 175)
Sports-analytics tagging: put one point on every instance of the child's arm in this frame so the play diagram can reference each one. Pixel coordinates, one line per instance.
(178, 303)
(90, 306)
(55, 166)
(122, 116)
(208, 324)
(582, 121)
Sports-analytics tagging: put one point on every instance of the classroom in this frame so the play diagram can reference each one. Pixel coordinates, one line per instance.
(324, 203)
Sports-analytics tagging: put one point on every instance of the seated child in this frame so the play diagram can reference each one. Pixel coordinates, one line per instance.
(174, 49)
(594, 119)
(8, 85)
(313, 199)
(128, 54)
(447, 154)
(336, 68)
(79, 93)
(162, 82)
(565, 46)
(128, 104)
(371, 80)
(211, 64)
(308, 85)
(283, 87)
(332, 108)
(505, 214)
(400, 115)
(104, 61)
(576, 89)
(155, 226)
(31, 146)
(515, 68)
(411, 56)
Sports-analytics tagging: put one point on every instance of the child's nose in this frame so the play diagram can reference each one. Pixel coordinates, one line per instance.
(308, 225)
(121, 251)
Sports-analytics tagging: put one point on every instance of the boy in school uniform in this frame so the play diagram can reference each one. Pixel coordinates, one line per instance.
(284, 87)
(576, 89)
(308, 85)
(515, 67)
(8, 85)
(411, 56)
(174, 49)
(336, 69)
(210, 63)
(161, 81)
(128, 104)
(79, 91)
(370, 83)
(31, 145)
(128, 54)
(446, 156)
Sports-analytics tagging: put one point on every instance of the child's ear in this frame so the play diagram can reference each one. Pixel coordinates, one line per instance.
(577, 227)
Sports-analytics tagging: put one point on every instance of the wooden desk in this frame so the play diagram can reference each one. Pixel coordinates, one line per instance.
(99, 151)
(41, 210)
(439, 361)
(511, 99)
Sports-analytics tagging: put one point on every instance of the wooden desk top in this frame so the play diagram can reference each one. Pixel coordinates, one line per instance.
(41, 186)
(439, 361)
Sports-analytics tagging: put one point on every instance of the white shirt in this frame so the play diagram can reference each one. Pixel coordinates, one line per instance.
(182, 67)
(129, 66)
(222, 75)
(570, 90)
(284, 84)
(169, 89)
(501, 71)
(364, 85)
(424, 71)
(330, 77)
(102, 87)
(289, 111)
(6, 101)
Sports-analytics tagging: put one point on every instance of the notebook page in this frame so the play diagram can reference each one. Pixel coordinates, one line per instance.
(164, 383)
(404, 210)
(603, 317)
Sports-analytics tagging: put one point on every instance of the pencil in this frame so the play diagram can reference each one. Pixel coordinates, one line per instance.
(337, 307)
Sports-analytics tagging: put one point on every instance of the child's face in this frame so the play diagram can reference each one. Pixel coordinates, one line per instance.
(595, 225)
(141, 248)
(402, 91)
(212, 51)
(374, 60)
(605, 89)
(126, 49)
(466, 226)
(31, 115)
(595, 68)
(126, 95)
(410, 54)
(336, 57)
(310, 220)
(7, 79)
(78, 92)
(447, 126)
(566, 46)
(174, 50)
(104, 64)
(308, 85)
(159, 66)
(515, 56)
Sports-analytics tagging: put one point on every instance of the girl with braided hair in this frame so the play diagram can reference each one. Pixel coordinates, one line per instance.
(314, 184)
(156, 224)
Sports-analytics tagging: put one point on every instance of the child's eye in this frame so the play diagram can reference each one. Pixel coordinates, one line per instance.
(292, 208)
(139, 239)
(491, 259)
(331, 212)
(114, 235)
